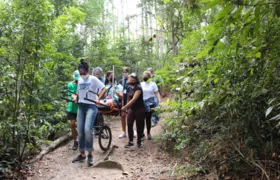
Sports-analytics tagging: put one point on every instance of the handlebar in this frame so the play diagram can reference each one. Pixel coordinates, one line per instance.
(96, 93)
(67, 99)
(101, 106)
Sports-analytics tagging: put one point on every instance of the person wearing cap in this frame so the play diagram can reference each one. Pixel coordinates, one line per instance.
(136, 110)
(161, 86)
(98, 72)
(72, 108)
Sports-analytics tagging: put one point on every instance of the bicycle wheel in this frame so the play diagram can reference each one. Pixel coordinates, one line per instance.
(105, 138)
(99, 122)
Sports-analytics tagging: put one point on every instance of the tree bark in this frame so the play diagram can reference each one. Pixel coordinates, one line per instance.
(174, 44)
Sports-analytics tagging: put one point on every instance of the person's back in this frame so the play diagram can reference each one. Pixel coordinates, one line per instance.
(158, 80)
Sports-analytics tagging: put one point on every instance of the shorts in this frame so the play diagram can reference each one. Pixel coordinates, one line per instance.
(71, 116)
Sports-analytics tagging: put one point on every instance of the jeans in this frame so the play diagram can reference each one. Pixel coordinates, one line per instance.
(86, 116)
(155, 117)
(149, 103)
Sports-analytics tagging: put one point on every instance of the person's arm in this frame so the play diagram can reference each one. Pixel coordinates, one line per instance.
(99, 85)
(119, 92)
(158, 96)
(101, 94)
(163, 90)
(133, 100)
(162, 87)
(155, 89)
(72, 93)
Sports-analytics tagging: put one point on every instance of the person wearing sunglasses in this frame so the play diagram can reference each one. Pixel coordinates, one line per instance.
(136, 110)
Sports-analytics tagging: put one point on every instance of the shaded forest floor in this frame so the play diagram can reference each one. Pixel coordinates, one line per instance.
(148, 162)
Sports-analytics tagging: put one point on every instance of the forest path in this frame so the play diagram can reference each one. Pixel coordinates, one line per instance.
(148, 162)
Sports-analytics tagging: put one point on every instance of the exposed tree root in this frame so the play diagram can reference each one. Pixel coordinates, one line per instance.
(52, 147)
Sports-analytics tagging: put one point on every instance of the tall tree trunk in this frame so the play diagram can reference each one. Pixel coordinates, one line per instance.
(142, 20)
(146, 20)
(174, 43)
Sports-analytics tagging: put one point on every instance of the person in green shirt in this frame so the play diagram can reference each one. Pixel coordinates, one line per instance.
(72, 108)
(159, 81)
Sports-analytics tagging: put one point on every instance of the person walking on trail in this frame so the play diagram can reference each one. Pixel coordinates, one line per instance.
(114, 93)
(161, 86)
(72, 108)
(98, 72)
(150, 90)
(136, 110)
(87, 110)
(123, 82)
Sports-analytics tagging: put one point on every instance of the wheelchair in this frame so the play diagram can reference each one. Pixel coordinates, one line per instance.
(101, 129)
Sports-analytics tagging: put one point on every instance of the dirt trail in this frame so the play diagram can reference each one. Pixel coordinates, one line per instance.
(148, 162)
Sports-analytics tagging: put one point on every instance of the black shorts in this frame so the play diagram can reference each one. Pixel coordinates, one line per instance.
(71, 116)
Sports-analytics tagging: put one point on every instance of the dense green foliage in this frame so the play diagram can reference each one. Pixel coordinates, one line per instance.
(228, 87)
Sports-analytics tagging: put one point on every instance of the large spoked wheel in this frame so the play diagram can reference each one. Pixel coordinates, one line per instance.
(99, 122)
(105, 137)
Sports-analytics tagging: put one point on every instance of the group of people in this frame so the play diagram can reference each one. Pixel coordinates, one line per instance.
(135, 99)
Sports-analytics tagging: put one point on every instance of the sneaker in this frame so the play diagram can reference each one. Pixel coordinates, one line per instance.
(79, 158)
(75, 145)
(143, 137)
(129, 144)
(149, 137)
(154, 124)
(134, 134)
(122, 135)
(139, 145)
(90, 160)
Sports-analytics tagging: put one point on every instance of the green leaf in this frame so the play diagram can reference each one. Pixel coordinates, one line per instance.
(277, 117)
(257, 18)
(211, 3)
(258, 55)
(268, 111)
(224, 13)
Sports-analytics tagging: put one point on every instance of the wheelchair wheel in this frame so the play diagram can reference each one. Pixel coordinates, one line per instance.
(105, 138)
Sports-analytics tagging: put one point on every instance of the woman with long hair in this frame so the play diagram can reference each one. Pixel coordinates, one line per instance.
(114, 92)
(136, 110)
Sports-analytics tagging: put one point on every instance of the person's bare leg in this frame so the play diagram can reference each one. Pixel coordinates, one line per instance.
(124, 122)
(74, 134)
(74, 129)
(123, 117)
